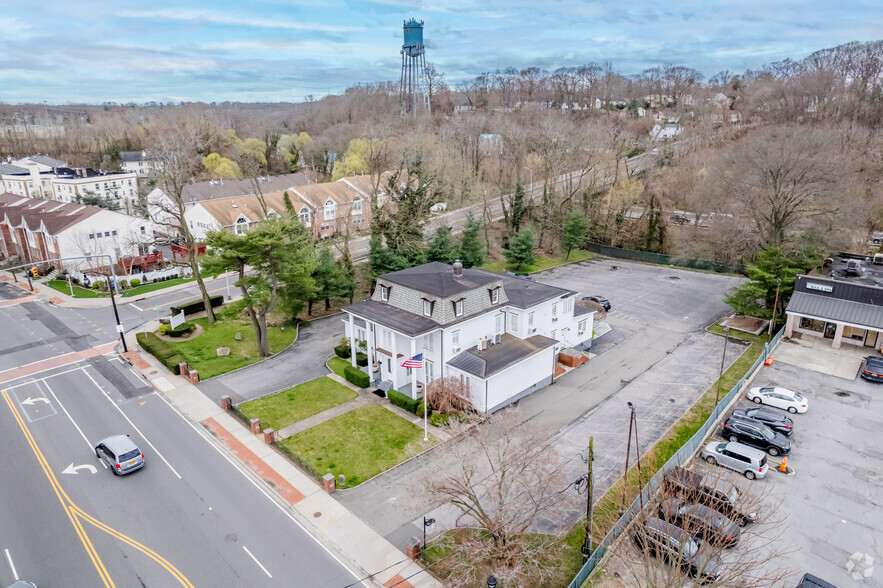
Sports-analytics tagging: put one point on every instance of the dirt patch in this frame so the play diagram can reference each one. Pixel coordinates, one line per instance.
(747, 324)
(196, 333)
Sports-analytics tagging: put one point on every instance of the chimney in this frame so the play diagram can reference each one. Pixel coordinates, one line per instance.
(458, 270)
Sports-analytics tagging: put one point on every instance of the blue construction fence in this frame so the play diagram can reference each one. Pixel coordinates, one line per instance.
(679, 458)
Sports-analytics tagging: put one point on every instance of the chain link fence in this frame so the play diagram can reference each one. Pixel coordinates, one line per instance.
(663, 259)
(679, 458)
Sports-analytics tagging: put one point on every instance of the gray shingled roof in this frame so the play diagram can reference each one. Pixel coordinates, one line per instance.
(199, 191)
(581, 310)
(46, 160)
(834, 309)
(133, 156)
(525, 293)
(509, 351)
(8, 168)
(437, 279)
(394, 318)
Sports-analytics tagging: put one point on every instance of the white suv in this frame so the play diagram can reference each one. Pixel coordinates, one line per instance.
(748, 461)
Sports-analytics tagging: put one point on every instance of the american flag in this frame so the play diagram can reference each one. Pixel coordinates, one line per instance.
(414, 362)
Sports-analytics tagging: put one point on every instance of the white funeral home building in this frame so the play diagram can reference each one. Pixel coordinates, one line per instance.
(500, 335)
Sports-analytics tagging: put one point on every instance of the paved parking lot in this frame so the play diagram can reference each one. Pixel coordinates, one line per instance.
(833, 505)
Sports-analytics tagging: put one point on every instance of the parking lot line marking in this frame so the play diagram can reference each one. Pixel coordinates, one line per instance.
(134, 426)
(80, 431)
(260, 489)
(11, 565)
(269, 575)
(138, 308)
(60, 494)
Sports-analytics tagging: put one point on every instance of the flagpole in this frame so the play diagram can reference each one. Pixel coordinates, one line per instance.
(425, 406)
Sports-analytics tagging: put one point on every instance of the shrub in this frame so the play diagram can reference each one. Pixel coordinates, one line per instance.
(164, 328)
(402, 401)
(75, 281)
(421, 406)
(161, 350)
(343, 351)
(135, 282)
(124, 285)
(197, 306)
(356, 376)
(96, 285)
(183, 329)
(361, 359)
(439, 419)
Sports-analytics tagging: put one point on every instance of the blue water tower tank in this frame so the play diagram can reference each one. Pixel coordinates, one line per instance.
(413, 33)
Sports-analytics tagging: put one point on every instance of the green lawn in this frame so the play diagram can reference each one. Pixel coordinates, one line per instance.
(296, 404)
(358, 444)
(79, 291)
(200, 353)
(144, 288)
(542, 262)
(337, 365)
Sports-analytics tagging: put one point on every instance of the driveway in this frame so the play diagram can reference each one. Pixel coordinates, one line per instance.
(657, 355)
(302, 361)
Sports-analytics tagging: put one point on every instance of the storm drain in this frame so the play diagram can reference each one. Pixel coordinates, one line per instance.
(673, 278)
(842, 393)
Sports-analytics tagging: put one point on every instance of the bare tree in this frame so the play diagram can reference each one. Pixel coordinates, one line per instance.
(507, 477)
(448, 395)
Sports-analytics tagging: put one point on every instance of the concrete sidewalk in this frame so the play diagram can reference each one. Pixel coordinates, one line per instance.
(362, 549)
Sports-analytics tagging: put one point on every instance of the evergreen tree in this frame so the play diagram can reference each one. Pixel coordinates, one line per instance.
(520, 252)
(332, 279)
(518, 209)
(442, 247)
(471, 248)
(382, 259)
(772, 264)
(289, 207)
(576, 229)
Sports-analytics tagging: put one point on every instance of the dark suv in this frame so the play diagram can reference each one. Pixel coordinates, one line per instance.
(775, 420)
(756, 434)
(717, 493)
(701, 521)
(672, 543)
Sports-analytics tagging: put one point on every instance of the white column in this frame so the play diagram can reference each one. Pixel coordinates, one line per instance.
(395, 361)
(353, 340)
(369, 337)
(413, 371)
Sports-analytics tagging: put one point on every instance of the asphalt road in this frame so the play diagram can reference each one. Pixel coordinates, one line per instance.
(146, 307)
(191, 516)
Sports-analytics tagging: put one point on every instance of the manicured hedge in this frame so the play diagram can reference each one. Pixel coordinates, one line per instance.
(161, 350)
(183, 329)
(197, 306)
(402, 401)
(356, 376)
(343, 351)
(135, 282)
(361, 359)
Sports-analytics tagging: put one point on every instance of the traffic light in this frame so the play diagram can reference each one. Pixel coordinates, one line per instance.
(34, 272)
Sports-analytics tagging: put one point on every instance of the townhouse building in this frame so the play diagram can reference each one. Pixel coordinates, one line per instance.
(499, 334)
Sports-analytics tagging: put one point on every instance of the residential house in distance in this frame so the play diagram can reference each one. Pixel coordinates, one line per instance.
(30, 176)
(500, 335)
(71, 184)
(136, 162)
(34, 229)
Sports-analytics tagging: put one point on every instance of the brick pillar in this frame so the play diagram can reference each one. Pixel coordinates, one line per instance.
(838, 336)
(193, 376)
(255, 426)
(183, 369)
(413, 550)
(226, 403)
(328, 483)
(269, 436)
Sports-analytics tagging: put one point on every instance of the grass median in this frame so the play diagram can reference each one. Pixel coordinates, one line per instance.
(338, 366)
(295, 404)
(542, 262)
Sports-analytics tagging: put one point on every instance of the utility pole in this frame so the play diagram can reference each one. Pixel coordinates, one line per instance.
(590, 488)
(775, 307)
(723, 360)
(628, 451)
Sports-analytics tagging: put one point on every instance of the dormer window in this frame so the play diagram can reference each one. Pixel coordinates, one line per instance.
(458, 307)
(428, 306)
(384, 292)
(330, 207)
(357, 205)
(272, 214)
(240, 225)
(494, 293)
(304, 215)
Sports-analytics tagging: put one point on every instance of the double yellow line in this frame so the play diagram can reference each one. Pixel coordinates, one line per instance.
(77, 515)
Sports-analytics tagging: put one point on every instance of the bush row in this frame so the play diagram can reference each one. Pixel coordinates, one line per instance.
(183, 329)
(356, 376)
(402, 401)
(197, 306)
(161, 350)
(343, 351)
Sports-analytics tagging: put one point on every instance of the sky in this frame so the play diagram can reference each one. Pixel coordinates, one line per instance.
(98, 51)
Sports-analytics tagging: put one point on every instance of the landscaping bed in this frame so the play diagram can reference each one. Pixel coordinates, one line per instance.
(295, 404)
(79, 291)
(200, 352)
(358, 444)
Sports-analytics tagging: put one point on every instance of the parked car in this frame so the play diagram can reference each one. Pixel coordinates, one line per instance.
(756, 434)
(810, 581)
(778, 397)
(120, 453)
(748, 461)
(672, 543)
(854, 268)
(600, 300)
(718, 493)
(774, 420)
(872, 369)
(700, 521)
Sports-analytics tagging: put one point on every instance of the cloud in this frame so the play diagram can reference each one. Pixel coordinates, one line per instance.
(204, 16)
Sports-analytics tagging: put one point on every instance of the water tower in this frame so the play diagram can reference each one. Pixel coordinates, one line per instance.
(414, 89)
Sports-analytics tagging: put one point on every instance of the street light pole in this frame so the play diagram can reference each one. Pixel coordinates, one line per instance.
(638, 452)
(775, 307)
(227, 281)
(717, 396)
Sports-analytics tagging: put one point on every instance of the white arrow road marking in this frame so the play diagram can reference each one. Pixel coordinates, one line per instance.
(71, 469)
(29, 401)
